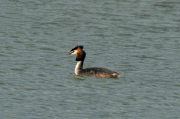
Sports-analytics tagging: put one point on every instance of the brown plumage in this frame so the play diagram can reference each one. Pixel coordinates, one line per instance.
(95, 71)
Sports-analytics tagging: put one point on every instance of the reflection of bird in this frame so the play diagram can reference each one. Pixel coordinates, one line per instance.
(94, 71)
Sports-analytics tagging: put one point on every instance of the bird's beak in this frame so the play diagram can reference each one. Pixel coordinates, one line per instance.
(67, 53)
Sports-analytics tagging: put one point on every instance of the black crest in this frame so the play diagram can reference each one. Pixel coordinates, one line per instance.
(80, 46)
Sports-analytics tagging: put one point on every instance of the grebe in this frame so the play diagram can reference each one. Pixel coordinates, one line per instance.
(94, 71)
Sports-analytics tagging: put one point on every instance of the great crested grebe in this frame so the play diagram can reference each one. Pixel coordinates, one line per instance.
(94, 71)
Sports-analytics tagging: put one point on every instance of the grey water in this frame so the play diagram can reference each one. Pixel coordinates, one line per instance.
(139, 38)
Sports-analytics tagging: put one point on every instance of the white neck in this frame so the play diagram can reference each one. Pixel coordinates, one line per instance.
(79, 67)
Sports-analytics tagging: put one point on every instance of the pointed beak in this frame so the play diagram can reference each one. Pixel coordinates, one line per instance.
(67, 53)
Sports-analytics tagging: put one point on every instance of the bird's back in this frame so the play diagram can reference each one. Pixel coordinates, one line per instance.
(99, 72)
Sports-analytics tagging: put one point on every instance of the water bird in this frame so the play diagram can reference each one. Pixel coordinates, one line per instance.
(94, 71)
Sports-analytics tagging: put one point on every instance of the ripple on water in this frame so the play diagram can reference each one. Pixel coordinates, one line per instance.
(38, 81)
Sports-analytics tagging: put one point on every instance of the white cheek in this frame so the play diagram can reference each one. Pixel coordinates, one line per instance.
(74, 53)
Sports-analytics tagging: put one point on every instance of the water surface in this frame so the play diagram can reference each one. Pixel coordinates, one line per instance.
(138, 38)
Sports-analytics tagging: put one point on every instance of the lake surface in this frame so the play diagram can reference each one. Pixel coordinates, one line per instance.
(139, 38)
